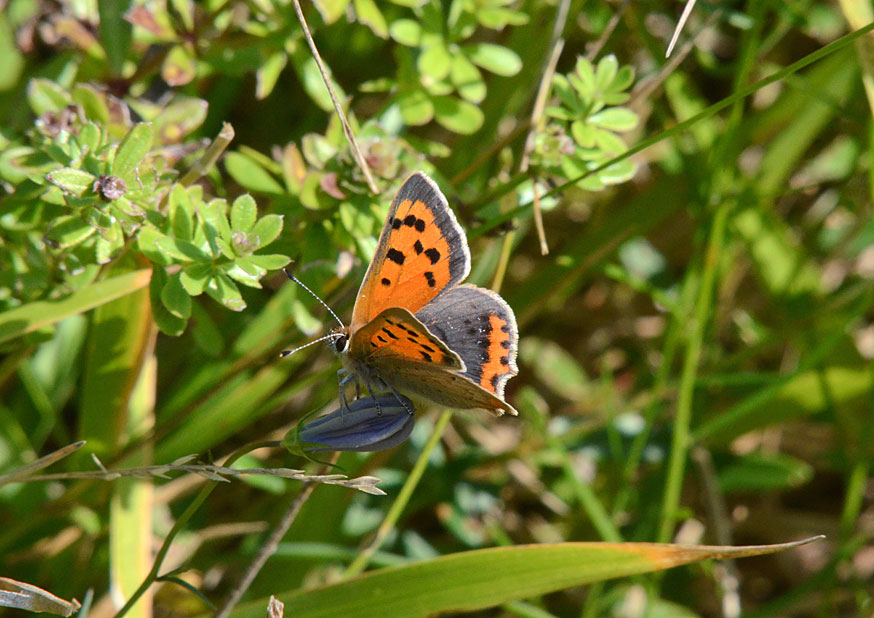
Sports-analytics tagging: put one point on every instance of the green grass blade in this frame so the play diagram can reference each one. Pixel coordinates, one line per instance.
(33, 316)
(478, 579)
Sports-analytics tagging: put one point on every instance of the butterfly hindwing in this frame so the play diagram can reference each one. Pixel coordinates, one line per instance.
(422, 252)
(480, 327)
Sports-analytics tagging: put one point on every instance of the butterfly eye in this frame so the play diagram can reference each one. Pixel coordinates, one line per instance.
(341, 343)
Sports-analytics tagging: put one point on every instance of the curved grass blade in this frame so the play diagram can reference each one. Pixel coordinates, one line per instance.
(472, 580)
(33, 316)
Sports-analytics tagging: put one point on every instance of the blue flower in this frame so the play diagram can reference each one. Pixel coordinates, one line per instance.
(363, 427)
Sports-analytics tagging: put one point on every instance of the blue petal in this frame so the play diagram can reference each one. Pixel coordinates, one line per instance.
(363, 427)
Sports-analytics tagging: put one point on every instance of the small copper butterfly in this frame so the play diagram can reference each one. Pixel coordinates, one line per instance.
(415, 327)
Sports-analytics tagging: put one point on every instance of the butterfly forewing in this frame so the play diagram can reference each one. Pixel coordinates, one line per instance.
(422, 252)
(397, 335)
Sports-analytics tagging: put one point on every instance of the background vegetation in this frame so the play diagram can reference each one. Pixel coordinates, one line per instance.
(696, 346)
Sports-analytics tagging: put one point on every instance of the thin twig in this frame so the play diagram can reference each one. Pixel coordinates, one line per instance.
(367, 484)
(687, 10)
(530, 140)
(347, 129)
(270, 545)
(204, 164)
(596, 48)
(24, 473)
(645, 87)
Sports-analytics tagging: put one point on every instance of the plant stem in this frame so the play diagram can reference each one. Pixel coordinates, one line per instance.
(680, 437)
(361, 561)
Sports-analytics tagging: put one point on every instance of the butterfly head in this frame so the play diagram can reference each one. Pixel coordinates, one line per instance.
(339, 338)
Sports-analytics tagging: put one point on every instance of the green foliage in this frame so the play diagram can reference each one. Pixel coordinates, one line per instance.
(695, 349)
(582, 135)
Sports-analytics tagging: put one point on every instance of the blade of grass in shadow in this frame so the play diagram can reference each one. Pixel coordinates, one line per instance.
(115, 407)
(472, 580)
(33, 316)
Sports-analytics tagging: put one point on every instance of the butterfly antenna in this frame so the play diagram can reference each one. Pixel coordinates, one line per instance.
(313, 294)
(306, 345)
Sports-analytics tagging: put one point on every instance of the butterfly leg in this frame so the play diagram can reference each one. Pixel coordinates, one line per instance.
(343, 378)
(397, 395)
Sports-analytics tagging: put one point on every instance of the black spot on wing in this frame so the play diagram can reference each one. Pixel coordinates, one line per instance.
(410, 220)
(426, 356)
(462, 319)
(385, 281)
(395, 256)
(429, 276)
(433, 255)
(396, 223)
(418, 248)
(419, 188)
(389, 333)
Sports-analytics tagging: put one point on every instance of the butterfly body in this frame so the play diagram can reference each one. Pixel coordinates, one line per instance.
(415, 327)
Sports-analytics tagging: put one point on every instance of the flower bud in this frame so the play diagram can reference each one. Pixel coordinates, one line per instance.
(364, 427)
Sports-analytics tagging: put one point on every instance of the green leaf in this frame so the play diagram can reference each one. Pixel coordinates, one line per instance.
(756, 473)
(194, 277)
(584, 135)
(72, 181)
(331, 10)
(498, 18)
(250, 175)
(474, 580)
(495, 58)
(34, 316)
(244, 212)
(131, 151)
(242, 272)
(225, 291)
(269, 261)
(168, 323)
(68, 231)
(434, 62)
(606, 72)
(609, 143)
(406, 32)
(615, 119)
(181, 117)
(267, 229)
(370, 15)
(146, 242)
(585, 72)
(181, 213)
(467, 79)
(416, 107)
(46, 96)
(115, 31)
(170, 248)
(459, 116)
(215, 224)
(313, 84)
(268, 74)
(624, 78)
(93, 103)
(176, 298)
(179, 66)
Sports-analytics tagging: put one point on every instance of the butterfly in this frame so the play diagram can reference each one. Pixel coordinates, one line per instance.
(416, 328)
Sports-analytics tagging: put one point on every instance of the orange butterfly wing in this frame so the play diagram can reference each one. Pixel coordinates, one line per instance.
(396, 335)
(422, 252)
